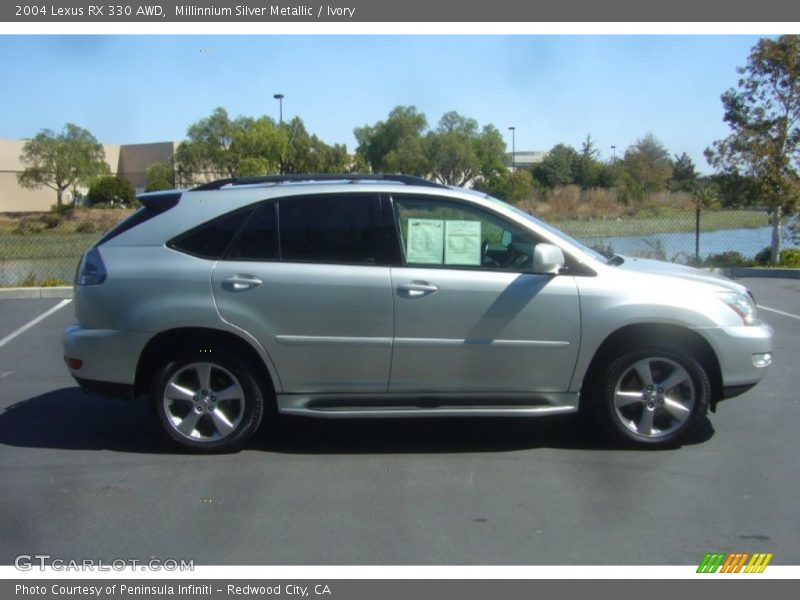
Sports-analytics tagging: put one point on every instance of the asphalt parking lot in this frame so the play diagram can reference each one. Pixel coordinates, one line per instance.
(83, 477)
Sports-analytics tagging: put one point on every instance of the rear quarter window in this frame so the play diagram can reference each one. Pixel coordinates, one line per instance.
(211, 239)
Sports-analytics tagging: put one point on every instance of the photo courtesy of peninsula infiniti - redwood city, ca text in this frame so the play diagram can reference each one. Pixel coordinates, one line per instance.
(376, 296)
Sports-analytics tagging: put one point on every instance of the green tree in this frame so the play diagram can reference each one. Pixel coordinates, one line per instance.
(111, 190)
(588, 169)
(306, 153)
(160, 176)
(684, 174)
(511, 186)
(218, 146)
(396, 144)
(763, 112)
(559, 167)
(648, 163)
(735, 189)
(457, 151)
(62, 160)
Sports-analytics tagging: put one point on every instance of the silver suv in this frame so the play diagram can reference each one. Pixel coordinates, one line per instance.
(392, 296)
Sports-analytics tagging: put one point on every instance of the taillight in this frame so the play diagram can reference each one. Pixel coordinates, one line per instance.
(73, 363)
(91, 270)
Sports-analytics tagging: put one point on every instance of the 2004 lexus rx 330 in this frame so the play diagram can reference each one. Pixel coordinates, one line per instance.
(387, 296)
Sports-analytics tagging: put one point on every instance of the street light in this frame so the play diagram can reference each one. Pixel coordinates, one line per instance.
(513, 147)
(279, 98)
(613, 155)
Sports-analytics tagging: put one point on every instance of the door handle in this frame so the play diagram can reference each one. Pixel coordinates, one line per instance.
(241, 283)
(416, 289)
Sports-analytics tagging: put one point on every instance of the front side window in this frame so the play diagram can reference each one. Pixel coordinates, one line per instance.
(333, 229)
(444, 233)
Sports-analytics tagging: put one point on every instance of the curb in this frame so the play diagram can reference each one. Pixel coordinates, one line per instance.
(758, 272)
(35, 292)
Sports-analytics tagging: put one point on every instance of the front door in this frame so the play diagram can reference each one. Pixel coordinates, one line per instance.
(469, 315)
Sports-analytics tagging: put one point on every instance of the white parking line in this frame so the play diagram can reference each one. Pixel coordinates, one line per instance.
(775, 310)
(38, 319)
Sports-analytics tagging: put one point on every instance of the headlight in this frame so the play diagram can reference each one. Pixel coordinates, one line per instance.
(742, 305)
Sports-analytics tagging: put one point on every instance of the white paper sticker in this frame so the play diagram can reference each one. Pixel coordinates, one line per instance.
(425, 241)
(462, 243)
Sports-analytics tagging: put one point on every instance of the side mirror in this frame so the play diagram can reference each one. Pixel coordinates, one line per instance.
(548, 258)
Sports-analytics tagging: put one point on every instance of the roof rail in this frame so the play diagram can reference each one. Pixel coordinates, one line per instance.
(297, 177)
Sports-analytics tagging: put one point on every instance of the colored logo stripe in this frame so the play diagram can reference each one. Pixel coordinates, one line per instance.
(734, 562)
(758, 563)
(710, 563)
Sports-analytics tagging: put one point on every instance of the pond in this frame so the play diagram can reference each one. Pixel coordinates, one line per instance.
(679, 246)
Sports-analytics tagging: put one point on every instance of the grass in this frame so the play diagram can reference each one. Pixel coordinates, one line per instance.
(45, 245)
(679, 222)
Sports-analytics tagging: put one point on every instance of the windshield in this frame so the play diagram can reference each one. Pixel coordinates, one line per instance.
(555, 232)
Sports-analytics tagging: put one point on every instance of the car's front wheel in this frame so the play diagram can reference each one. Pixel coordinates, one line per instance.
(654, 396)
(208, 404)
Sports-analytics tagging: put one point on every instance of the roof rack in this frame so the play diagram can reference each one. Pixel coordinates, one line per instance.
(299, 177)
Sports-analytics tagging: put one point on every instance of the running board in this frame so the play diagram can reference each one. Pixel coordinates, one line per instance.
(403, 406)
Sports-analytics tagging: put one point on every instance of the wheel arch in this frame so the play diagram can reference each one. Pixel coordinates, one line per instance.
(637, 333)
(204, 341)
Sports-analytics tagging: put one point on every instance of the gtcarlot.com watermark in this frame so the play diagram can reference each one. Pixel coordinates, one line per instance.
(45, 562)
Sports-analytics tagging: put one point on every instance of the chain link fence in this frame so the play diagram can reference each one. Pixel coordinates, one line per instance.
(44, 249)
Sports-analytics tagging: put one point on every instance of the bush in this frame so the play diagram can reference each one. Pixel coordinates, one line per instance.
(52, 282)
(111, 190)
(31, 281)
(726, 259)
(86, 227)
(50, 220)
(764, 257)
(29, 225)
(61, 210)
(790, 257)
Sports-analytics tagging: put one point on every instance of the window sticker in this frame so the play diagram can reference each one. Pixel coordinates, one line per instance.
(463, 243)
(425, 241)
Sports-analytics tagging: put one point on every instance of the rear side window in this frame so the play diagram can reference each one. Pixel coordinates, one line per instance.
(333, 229)
(259, 237)
(211, 239)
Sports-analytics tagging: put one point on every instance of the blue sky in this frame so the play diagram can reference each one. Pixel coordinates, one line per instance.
(135, 89)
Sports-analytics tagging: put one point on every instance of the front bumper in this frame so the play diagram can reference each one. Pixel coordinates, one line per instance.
(737, 349)
(108, 357)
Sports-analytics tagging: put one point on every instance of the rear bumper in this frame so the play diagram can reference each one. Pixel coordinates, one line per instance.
(117, 391)
(108, 357)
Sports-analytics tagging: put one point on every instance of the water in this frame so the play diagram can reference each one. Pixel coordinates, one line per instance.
(677, 246)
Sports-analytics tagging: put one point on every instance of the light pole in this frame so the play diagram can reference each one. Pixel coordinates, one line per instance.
(279, 98)
(613, 155)
(513, 147)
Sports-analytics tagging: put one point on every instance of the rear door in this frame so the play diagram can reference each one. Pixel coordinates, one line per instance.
(309, 278)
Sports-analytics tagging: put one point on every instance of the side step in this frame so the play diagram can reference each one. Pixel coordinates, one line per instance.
(404, 406)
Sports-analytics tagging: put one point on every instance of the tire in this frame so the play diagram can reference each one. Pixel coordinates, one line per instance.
(653, 397)
(208, 404)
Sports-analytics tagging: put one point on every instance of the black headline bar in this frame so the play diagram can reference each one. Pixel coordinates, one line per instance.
(419, 589)
(314, 11)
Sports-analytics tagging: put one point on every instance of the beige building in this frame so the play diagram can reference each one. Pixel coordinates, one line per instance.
(128, 161)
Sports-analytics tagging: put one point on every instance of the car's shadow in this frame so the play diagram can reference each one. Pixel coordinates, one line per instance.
(71, 420)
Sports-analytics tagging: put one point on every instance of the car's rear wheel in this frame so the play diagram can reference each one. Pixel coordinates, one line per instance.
(655, 396)
(208, 404)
